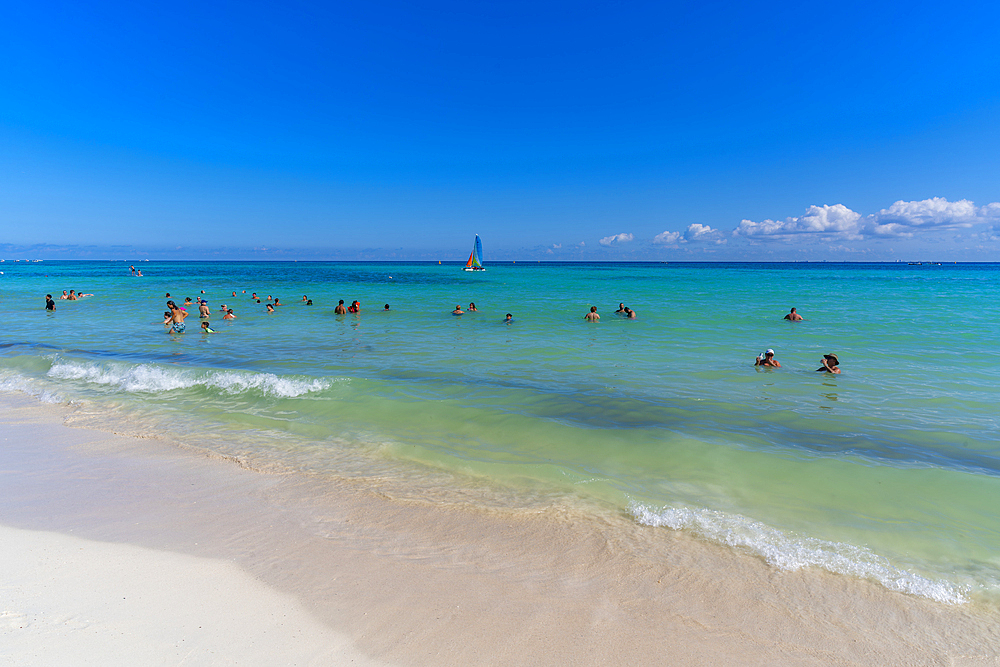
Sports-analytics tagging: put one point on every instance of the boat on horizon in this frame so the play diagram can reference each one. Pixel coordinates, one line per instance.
(475, 262)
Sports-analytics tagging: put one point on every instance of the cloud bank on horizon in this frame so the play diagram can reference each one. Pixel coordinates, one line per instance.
(927, 220)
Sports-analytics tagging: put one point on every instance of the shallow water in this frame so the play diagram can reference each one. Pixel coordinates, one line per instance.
(888, 471)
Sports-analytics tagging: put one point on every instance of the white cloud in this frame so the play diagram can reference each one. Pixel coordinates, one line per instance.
(667, 238)
(904, 218)
(556, 246)
(820, 220)
(697, 232)
(901, 220)
(615, 239)
(934, 212)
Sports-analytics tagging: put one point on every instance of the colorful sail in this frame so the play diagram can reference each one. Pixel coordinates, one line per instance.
(475, 262)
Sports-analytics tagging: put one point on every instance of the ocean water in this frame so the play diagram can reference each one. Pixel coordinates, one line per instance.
(889, 471)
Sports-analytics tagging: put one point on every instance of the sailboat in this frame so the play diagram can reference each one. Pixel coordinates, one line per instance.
(475, 262)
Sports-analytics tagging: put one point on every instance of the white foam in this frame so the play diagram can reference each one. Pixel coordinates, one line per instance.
(154, 379)
(790, 552)
(19, 383)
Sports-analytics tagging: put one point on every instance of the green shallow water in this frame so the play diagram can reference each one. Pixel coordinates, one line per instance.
(888, 471)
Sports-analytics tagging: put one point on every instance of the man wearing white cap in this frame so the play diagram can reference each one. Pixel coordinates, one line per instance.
(767, 359)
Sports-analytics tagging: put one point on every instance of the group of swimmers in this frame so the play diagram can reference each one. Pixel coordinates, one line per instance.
(830, 363)
(72, 295)
(623, 311)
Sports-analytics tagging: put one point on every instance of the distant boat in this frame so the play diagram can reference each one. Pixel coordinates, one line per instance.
(475, 262)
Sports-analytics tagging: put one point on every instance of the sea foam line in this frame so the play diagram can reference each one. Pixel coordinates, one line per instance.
(154, 379)
(793, 553)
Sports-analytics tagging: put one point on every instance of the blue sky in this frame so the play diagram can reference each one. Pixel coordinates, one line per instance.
(703, 130)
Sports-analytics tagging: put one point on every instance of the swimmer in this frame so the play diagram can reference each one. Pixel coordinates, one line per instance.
(276, 301)
(829, 362)
(472, 308)
(304, 298)
(72, 296)
(629, 313)
(386, 308)
(206, 329)
(766, 358)
(355, 307)
(458, 310)
(138, 273)
(82, 295)
(229, 315)
(254, 297)
(592, 316)
(340, 310)
(64, 296)
(270, 308)
(50, 305)
(166, 317)
(224, 308)
(309, 302)
(621, 309)
(203, 309)
(188, 301)
(234, 292)
(794, 317)
(176, 320)
(508, 319)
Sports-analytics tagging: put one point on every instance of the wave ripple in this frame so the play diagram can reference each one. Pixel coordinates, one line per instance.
(788, 552)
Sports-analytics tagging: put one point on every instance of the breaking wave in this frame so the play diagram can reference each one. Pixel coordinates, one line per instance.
(156, 379)
(789, 552)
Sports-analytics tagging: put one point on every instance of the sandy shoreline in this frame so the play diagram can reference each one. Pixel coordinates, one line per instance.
(343, 576)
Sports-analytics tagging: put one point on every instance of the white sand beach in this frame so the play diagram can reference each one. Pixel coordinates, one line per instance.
(122, 551)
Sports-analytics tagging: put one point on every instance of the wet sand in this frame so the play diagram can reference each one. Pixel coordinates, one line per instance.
(345, 575)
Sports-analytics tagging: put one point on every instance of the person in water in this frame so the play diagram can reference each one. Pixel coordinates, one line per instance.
(509, 318)
(270, 308)
(386, 308)
(72, 295)
(629, 313)
(355, 307)
(49, 303)
(472, 307)
(276, 301)
(176, 320)
(64, 296)
(205, 328)
(203, 309)
(229, 315)
(458, 310)
(794, 317)
(766, 358)
(340, 310)
(621, 309)
(592, 316)
(830, 364)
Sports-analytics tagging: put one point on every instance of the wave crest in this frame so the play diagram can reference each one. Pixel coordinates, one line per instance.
(154, 379)
(787, 552)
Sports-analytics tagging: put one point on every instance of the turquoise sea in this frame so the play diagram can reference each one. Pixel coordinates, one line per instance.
(889, 471)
